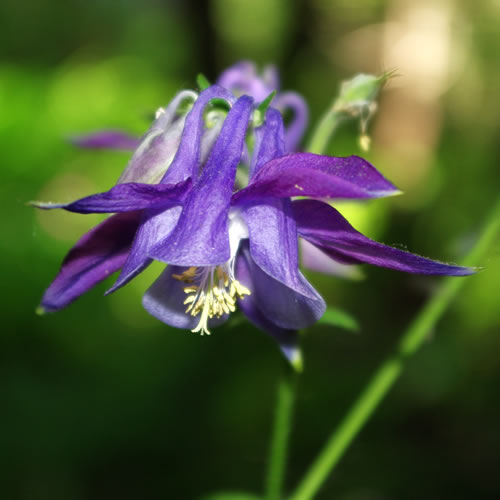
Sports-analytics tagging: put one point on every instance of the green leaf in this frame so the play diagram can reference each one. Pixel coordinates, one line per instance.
(202, 82)
(260, 112)
(231, 495)
(337, 317)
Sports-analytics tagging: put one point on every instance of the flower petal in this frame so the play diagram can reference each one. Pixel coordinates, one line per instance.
(187, 159)
(323, 226)
(155, 225)
(201, 236)
(154, 155)
(165, 301)
(269, 141)
(97, 254)
(296, 128)
(287, 339)
(125, 198)
(308, 174)
(158, 145)
(106, 139)
(311, 257)
(271, 78)
(242, 78)
(273, 243)
(278, 303)
(272, 231)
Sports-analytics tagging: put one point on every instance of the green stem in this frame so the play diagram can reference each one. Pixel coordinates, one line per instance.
(286, 387)
(389, 371)
(324, 132)
(281, 431)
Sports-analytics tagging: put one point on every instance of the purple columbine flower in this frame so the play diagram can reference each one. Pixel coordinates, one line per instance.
(227, 248)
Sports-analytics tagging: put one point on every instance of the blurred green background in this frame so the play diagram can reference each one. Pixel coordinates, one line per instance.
(102, 401)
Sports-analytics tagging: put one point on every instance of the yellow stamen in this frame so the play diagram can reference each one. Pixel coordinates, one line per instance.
(187, 276)
(214, 294)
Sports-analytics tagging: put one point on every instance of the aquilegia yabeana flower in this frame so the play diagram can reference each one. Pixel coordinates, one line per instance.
(227, 245)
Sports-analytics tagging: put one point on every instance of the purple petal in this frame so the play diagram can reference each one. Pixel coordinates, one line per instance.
(106, 139)
(201, 235)
(278, 303)
(97, 254)
(295, 130)
(158, 145)
(269, 141)
(126, 198)
(154, 155)
(273, 244)
(242, 78)
(165, 301)
(324, 227)
(313, 258)
(272, 231)
(271, 77)
(155, 226)
(187, 159)
(287, 339)
(307, 174)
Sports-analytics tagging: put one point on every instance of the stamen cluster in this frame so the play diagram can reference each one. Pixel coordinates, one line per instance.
(212, 292)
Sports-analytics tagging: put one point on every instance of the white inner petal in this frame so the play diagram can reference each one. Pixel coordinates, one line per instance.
(165, 119)
(238, 230)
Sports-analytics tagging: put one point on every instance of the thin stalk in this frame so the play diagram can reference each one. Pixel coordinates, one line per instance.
(281, 431)
(286, 386)
(324, 132)
(386, 375)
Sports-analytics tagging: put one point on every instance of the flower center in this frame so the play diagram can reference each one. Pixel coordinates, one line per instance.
(211, 292)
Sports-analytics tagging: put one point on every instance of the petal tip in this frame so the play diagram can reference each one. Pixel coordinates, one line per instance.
(40, 311)
(459, 271)
(387, 193)
(468, 271)
(44, 205)
(296, 360)
(396, 192)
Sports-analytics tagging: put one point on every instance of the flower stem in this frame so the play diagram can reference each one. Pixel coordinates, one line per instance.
(324, 132)
(391, 368)
(281, 431)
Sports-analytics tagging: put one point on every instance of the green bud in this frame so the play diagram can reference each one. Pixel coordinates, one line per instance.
(360, 92)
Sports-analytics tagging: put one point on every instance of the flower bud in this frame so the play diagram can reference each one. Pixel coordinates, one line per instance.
(359, 93)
